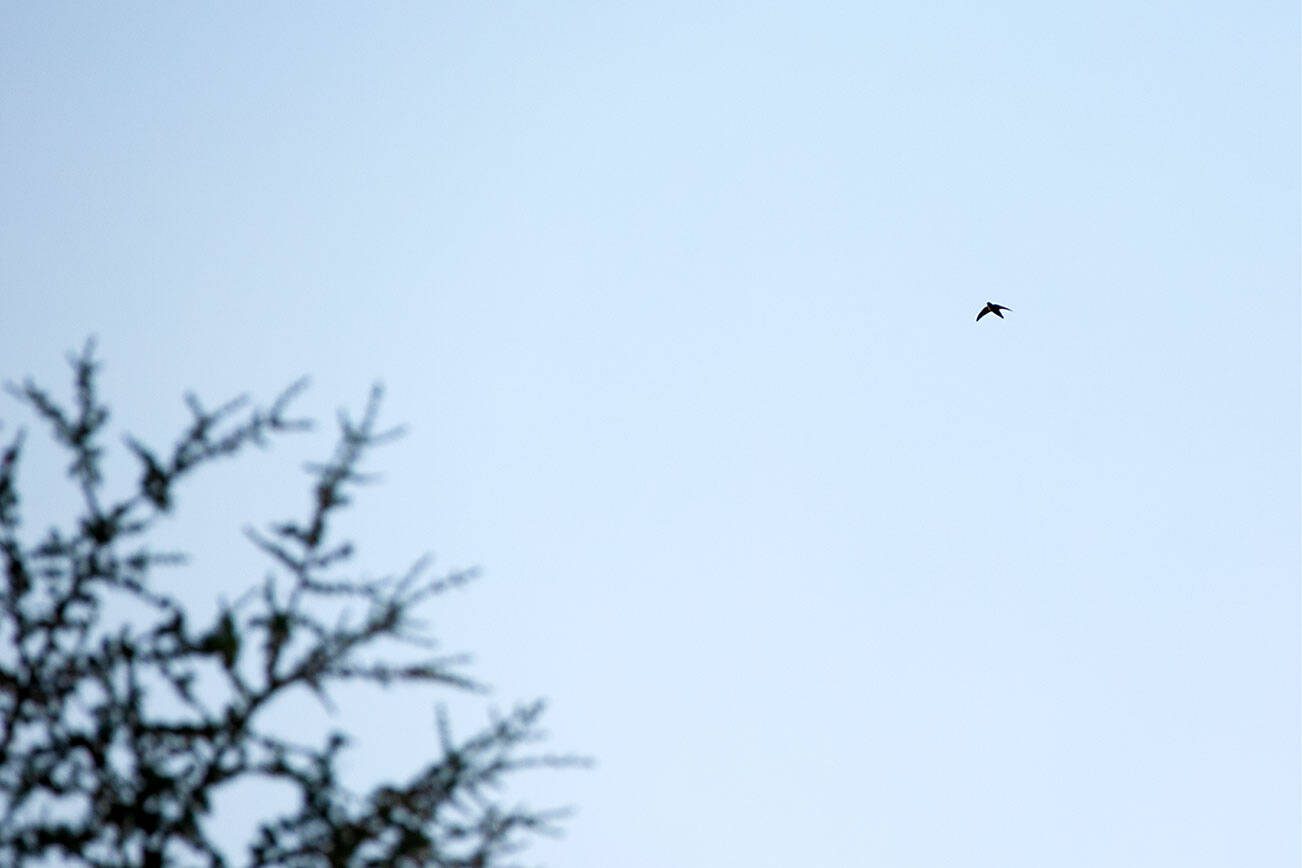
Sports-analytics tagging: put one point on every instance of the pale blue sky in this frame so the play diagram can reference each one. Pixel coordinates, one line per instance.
(677, 300)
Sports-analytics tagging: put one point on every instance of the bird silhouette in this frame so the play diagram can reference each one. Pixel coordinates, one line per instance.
(993, 308)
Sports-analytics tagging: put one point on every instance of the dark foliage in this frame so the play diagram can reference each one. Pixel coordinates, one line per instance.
(116, 733)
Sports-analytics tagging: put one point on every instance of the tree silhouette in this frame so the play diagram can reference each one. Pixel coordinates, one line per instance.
(117, 731)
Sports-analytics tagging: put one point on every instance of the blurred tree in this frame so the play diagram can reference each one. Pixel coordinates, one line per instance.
(115, 733)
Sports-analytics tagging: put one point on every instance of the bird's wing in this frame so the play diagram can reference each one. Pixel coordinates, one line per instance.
(1001, 307)
(985, 310)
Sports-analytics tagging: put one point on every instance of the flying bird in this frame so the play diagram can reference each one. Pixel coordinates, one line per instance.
(993, 308)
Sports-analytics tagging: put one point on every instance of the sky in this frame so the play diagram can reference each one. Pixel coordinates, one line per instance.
(677, 303)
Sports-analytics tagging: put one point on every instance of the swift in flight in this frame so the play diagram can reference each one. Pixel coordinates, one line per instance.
(993, 308)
